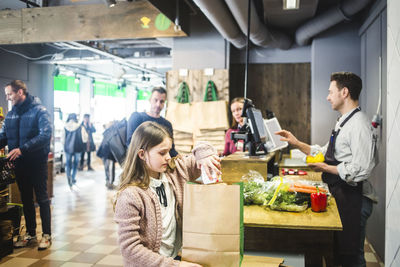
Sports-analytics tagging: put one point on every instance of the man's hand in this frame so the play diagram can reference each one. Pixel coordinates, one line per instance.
(211, 163)
(188, 264)
(323, 167)
(288, 137)
(14, 154)
(291, 139)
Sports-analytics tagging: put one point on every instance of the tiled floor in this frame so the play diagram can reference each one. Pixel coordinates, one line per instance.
(83, 230)
(84, 233)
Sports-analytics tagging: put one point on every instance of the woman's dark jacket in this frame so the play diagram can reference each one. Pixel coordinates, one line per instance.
(90, 130)
(73, 137)
(27, 126)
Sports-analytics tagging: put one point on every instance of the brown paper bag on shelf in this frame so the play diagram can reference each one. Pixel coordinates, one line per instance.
(213, 224)
(210, 115)
(179, 115)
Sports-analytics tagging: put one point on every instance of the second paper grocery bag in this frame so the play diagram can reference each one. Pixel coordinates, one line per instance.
(213, 224)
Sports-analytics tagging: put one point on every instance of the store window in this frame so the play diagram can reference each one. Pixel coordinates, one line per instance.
(109, 102)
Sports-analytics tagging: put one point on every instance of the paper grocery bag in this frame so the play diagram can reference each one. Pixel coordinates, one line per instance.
(180, 116)
(213, 224)
(211, 115)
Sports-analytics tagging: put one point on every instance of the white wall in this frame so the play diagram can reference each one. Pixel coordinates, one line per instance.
(338, 49)
(392, 255)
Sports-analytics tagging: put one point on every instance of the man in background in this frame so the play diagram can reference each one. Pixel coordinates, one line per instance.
(157, 102)
(27, 132)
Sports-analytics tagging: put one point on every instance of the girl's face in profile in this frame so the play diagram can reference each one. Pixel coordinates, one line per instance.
(157, 157)
(236, 109)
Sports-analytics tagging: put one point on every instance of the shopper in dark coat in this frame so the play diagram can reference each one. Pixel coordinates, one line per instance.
(27, 132)
(73, 136)
(89, 146)
(106, 156)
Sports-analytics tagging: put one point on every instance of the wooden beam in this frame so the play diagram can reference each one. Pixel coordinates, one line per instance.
(10, 26)
(127, 20)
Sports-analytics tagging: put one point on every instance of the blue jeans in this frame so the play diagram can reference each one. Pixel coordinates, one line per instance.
(72, 166)
(366, 210)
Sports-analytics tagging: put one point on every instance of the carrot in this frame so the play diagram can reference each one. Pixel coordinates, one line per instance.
(302, 190)
(309, 187)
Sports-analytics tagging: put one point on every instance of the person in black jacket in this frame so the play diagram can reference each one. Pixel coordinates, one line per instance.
(89, 146)
(27, 132)
(73, 137)
(106, 155)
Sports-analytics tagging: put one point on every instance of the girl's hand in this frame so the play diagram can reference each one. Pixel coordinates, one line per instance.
(188, 264)
(211, 163)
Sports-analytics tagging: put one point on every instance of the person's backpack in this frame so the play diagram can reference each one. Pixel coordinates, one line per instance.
(117, 141)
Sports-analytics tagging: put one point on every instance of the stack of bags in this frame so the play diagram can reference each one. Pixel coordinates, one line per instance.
(198, 121)
(183, 142)
(216, 137)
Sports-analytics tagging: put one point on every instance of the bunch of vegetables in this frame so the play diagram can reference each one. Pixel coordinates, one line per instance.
(280, 193)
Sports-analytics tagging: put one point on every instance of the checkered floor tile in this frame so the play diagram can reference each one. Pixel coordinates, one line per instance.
(83, 230)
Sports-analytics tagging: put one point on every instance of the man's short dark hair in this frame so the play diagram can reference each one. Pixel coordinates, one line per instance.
(16, 85)
(86, 115)
(160, 90)
(349, 80)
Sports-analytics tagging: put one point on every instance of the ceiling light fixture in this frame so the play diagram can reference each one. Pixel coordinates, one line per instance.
(56, 71)
(291, 4)
(110, 3)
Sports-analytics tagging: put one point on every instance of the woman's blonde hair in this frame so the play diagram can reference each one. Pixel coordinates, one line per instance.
(236, 100)
(148, 135)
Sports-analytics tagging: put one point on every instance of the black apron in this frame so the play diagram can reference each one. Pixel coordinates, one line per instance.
(348, 199)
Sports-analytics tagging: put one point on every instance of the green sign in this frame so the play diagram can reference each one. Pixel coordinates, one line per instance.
(108, 89)
(66, 83)
(162, 23)
(143, 95)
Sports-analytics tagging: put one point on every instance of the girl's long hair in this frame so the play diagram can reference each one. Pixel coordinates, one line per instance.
(148, 135)
(235, 100)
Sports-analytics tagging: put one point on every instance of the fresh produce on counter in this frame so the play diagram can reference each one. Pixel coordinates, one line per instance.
(315, 159)
(318, 200)
(280, 193)
(286, 171)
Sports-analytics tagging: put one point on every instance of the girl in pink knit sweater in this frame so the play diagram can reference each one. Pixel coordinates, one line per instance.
(148, 207)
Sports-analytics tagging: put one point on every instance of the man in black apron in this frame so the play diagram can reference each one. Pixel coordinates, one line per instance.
(349, 159)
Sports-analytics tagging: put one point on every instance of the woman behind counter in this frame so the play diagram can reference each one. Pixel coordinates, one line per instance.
(237, 123)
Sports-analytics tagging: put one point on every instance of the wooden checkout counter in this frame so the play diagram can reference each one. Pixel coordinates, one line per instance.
(266, 230)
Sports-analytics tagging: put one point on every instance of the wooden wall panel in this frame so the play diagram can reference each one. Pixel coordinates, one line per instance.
(197, 82)
(283, 88)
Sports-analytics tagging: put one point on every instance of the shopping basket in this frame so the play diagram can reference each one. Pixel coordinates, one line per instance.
(7, 171)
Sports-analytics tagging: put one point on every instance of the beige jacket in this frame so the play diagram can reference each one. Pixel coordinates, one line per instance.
(138, 213)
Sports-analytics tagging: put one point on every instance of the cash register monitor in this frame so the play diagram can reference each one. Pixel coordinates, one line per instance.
(256, 123)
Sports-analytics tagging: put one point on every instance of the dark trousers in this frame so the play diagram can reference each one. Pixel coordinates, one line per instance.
(358, 260)
(83, 159)
(33, 177)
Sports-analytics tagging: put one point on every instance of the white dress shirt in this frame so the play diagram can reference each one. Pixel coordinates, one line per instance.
(167, 248)
(355, 148)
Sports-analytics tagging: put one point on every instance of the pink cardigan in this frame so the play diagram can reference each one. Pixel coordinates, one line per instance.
(138, 213)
